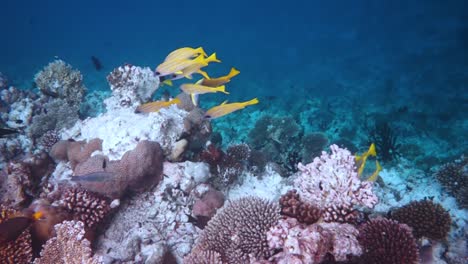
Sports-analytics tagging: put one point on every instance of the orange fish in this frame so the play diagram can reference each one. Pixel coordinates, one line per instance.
(156, 106)
(215, 82)
(224, 108)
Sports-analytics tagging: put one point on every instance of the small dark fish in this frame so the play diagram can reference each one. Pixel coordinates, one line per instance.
(12, 228)
(94, 177)
(7, 131)
(97, 63)
(50, 93)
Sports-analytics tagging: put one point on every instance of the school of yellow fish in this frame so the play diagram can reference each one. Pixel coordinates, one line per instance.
(184, 63)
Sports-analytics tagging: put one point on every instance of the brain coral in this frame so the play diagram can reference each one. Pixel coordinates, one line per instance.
(426, 218)
(238, 232)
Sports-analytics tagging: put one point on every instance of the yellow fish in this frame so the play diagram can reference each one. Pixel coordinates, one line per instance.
(361, 159)
(194, 68)
(185, 53)
(374, 175)
(189, 88)
(156, 106)
(224, 108)
(220, 80)
(176, 66)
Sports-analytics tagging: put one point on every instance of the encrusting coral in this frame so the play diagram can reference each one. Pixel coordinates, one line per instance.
(426, 218)
(238, 232)
(68, 247)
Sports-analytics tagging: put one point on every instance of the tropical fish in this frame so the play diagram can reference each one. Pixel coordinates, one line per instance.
(11, 228)
(362, 159)
(185, 53)
(225, 108)
(156, 106)
(194, 68)
(177, 65)
(189, 88)
(220, 80)
(7, 131)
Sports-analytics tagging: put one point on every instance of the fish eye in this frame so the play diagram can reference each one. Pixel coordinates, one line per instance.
(158, 73)
(207, 116)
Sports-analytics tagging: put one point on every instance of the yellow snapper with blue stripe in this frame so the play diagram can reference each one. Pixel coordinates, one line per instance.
(185, 53)
(175, 67)
(156, 106)
(225, 108)
(190, 88)
(214, 82)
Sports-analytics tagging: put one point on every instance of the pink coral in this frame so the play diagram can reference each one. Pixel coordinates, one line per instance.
(310, 244)
(331, 181)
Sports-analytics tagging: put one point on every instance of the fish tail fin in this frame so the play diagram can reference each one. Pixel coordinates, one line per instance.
(212, 58)
(233, 72)
(252, 102)
(222, 89)
(188, 76)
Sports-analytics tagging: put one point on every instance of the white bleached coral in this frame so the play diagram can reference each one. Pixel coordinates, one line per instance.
(131, 85)
(122, 129)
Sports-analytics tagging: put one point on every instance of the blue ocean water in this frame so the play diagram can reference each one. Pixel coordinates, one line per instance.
(351, 73)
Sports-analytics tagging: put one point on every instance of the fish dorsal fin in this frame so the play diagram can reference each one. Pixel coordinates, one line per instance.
(199, 81)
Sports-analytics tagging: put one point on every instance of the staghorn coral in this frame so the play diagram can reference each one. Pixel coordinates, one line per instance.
(386, 241)
(454, 177)
(18, 251)
(131, 85)
(292, 206)
(310, 244)
(426, 218)
(87, 207)
(68, 247)
(62, 81)
(238, 231)
(332, 184)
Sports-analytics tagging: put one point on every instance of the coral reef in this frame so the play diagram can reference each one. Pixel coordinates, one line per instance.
(60, 80)
(18, 251)
(426, 219)
(332, 184)
(68, 247)
(131, 85)
(454, 177)
(292, 206)
(238, 232)
(3, 81)
(387, 242)
(310, 244)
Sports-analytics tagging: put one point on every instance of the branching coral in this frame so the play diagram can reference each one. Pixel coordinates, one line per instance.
(238, 231)
(332, 184)
(68, 247)
(292, 206)
(131, 85)
(387, 242)
(60, 80)
(426, 218)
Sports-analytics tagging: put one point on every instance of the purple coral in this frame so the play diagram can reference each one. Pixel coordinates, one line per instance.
(331, 183)
(300, 243)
